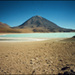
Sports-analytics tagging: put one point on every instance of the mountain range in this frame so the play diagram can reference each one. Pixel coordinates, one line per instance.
(34, 24)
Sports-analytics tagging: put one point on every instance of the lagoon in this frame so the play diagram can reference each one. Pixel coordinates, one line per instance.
(37, 36)
(41, 35)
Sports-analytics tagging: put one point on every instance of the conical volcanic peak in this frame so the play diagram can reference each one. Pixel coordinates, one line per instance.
(37, 21)
(37, 16)
(40, 24)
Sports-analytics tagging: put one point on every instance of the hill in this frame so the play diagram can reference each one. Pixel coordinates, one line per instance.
(3, 25)
(4, 28)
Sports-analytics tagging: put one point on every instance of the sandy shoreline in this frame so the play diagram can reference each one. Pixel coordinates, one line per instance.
(41, 57)
(35, 32)
(15, 39)
(21, 40)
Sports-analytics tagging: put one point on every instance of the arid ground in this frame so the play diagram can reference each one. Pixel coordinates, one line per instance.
(40, 57)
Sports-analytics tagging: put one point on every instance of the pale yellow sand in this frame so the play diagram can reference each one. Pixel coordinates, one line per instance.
(41, 57)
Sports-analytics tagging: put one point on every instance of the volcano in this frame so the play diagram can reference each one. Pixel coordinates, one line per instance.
(34, 24)
(40, 24)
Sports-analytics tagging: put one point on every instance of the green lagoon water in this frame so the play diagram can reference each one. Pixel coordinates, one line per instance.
(40, 35)
(33, 36)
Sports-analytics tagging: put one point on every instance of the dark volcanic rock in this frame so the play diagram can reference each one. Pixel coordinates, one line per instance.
(64, 68)
(73, 37)
(66, 73)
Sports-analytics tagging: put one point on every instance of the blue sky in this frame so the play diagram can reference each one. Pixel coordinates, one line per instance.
(61, 13)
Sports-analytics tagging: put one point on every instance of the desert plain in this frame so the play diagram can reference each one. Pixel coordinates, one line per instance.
(54, 56)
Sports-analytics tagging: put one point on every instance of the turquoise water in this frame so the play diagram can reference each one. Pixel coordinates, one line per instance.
(41, 35)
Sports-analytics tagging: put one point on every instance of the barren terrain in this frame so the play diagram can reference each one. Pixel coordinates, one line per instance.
(41, 57)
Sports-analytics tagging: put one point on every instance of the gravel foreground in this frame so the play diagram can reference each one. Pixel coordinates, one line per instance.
(41, 57)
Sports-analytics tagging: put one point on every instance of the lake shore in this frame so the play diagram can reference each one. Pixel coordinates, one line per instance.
(25, 39)
(36, 32)
(41, 57)
(7, 39)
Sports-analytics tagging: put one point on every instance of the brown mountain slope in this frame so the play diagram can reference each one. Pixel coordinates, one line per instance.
(4, 28)
(3, 25)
